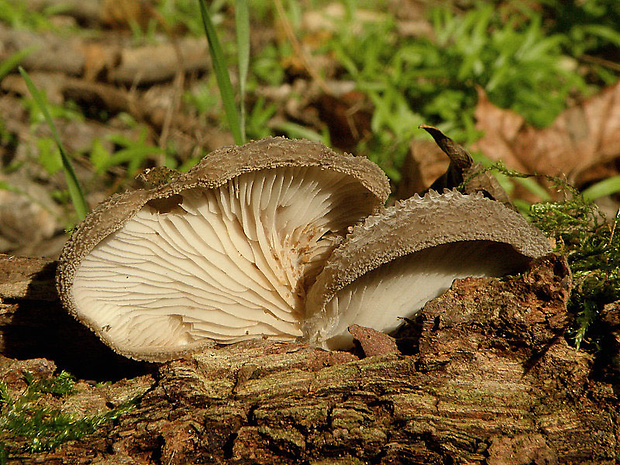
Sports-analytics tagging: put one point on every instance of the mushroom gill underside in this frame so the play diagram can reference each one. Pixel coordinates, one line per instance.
(277, 239)
(383, 298)
(390, 265)
(222, 264)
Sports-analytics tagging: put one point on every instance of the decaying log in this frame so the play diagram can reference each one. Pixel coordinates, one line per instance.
(484, 375)
(33, 324)
(112, 63)
(27, 278)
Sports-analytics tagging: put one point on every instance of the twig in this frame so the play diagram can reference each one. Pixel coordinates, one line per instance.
(600, 61)
(299, 50)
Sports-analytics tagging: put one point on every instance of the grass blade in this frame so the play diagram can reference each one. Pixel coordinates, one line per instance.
(221, 73)
(75, 191)
(242, 24)
(13, 60)
(609, 186)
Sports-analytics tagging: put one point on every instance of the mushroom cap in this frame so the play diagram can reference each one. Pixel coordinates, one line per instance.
(222, 253)
(395, 261)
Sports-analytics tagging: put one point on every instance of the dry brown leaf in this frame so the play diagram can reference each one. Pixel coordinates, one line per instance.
(120, 14)
(99, 58)
(348, 117)
(424, 163)
(582, 137)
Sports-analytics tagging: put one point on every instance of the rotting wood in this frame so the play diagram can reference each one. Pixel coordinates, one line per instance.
(107, 62)
(27, 278)
(34, 325)
(490, 380)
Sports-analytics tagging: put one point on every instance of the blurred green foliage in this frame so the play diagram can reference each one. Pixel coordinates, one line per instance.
(518, 63)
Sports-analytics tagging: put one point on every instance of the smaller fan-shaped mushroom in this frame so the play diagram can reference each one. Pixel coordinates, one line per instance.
(396, 261)
(223, 253)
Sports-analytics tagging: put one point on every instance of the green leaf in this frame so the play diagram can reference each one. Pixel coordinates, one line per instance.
(99, 156)
(534, 187)
(5, 186)
(13, 60)
(221, 73)
(5, 395)
(49, 156)
(602, 188)
(133, 153)
(75, 190)
(134, 156)
(294, 131)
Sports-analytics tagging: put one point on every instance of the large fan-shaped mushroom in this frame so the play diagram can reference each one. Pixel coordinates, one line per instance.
(396, 261)
(222, 253)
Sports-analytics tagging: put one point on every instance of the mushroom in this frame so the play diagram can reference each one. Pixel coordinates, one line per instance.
(220, 254)
(397, 260)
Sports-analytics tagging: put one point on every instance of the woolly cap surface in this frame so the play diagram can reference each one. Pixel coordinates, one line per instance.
(397, 260)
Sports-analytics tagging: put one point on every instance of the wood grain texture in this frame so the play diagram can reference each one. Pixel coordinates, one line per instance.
(484, 376)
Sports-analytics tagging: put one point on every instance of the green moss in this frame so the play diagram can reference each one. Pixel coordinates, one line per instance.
(582, 233)
(28, 425)
(592, 246)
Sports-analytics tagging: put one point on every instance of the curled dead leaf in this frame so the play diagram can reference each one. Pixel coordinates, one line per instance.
(582, 138)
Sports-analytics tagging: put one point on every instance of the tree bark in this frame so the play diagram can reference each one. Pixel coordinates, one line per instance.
(483, 375)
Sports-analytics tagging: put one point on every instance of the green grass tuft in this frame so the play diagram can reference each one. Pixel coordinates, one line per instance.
(75, 190)
(609, 186)
(242, 26)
